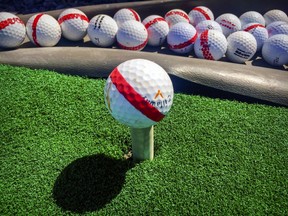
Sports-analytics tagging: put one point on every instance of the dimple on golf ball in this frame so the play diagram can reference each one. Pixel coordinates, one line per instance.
(208, 25)
(43, 30)
(73, 23)
(275, 50)
(181, 37)
(229, 23)
(157, 29)
(12, 30)
(258, 31)
(199, 14)
(275, 15)
(126, 14)
(241, 46)
(175, 16)
(251, 17)
(132, 35)
(102, 30)
(278, 27)
(210, 45)
(138, 93)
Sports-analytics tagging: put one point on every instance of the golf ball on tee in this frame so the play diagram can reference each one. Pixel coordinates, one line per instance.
(275, 15)
(175, 16)
(241, 46)
(132, 35)
(208, 25)
(258, 31)
(138, 93)
(181, 37)
(126, 14)
(12, 30)
(73, 23)
(157, 29)
(251, 17)
(229, 23)
(211, 45)
(278, 27)
(199, 14)
(275, 50)
(102, 30)
(43, 30)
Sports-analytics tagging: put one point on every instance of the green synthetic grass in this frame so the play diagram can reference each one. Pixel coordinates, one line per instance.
(62, 153)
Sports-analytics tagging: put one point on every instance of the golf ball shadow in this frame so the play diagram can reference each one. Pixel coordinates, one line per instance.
(89, 183)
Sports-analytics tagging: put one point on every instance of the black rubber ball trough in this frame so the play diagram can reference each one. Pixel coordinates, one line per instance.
(82, 58)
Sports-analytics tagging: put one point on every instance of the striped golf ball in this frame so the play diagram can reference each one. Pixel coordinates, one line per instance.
(74, 24)
(210, 45)
(126, 14)
(251, 17)
(181, 38)
(132, 35)
(43, 30)
(12, 30)
(278, 27)
(157, 29)
(258, 31)
(175, 16)
(275, 15)
(102, 30)
(275, 50)
(199, 14)
(241, 46)
(208, 25)
(138, 93)
(229, 23)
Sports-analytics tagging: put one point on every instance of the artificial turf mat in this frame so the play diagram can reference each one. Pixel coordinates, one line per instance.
(62, 153)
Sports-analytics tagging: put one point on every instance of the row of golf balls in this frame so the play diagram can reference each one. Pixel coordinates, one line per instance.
(238, 38)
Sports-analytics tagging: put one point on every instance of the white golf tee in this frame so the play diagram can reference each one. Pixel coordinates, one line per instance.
(142, 143)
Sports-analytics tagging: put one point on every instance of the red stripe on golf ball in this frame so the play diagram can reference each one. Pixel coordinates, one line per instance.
(158, 19)
(73, 16)
(140, 46)
(134, 98)
(206, 15)
(10, 21)
(205, 46)
(136, 16)
(34, 28)
(227, 24)
(182, 45)
(253, 26)
(177, 13)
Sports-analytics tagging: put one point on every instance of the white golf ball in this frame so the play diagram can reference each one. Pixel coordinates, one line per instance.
(138, 93)
(275, 50)
(12, 30)
(278, 27)
(157, 29)
(208, 25)
(258, 31)
(102, 30)
(210, 45)
(199, 14)
(241, 46)
(43, 30)
(132, 35)
(73, 23)
(126, 14)
(275, 15)
(229, 23)
(175, 16)
(181, 37)
(251, 17)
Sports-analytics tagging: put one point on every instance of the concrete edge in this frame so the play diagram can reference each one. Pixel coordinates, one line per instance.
(257, 82)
